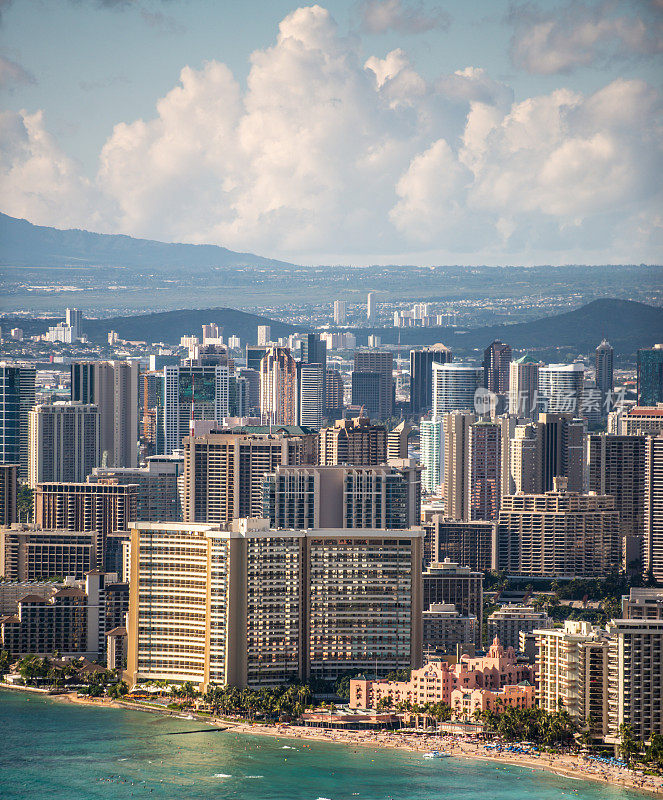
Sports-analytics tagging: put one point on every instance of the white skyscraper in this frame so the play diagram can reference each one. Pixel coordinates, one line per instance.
(311, 395)
(454, 386)
(339, 312)
(561, 388)
(74, 319)
(264, 335)
(431, 433)
(370, 309)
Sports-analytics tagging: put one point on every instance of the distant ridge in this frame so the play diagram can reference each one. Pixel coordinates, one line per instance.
(167, 326)
(628, 326)
(23, 244)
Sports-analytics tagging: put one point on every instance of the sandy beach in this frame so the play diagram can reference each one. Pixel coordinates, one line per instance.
(568, 765)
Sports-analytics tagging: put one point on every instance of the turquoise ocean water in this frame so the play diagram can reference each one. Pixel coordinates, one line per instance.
(58, 751)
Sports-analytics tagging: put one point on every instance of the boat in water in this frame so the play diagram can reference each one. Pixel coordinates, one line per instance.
(436, 754)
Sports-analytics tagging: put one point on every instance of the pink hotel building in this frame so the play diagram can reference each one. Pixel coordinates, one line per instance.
(470, 684)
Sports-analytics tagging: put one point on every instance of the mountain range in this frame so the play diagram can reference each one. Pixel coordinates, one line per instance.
(23, 244)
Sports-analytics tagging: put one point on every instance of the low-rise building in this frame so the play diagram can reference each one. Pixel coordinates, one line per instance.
(436, 680)
(465, 704)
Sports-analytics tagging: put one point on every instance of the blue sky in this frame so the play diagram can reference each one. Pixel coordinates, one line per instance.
(450, 116)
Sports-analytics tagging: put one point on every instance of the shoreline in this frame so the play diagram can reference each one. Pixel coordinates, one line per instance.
(565, 766)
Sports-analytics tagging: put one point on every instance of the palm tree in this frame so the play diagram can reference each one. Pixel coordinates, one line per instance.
(630, 746)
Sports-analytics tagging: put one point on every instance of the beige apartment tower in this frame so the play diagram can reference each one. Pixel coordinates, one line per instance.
(456, 426)
(224, 472)
(572, 671)
(113, 387)
(65, 442)
(107, 509)
(353, 441)
(244, 605)
(558, 534)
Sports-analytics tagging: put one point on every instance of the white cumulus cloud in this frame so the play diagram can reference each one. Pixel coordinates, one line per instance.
(582, 34)
(379, 16)
(327, 152)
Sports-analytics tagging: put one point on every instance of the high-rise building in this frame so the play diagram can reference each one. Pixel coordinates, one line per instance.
(387, 496)
(254, 355)
(224, 471)
(496, 365)
(278, 387)
(252, 378)
(311, 395)
(454, 387)
(421, 375)
(106, 509)
(456, 430)
(571, 671)
(334, 394)
(507, 424)
(339, 312)
(74, 319)
(44, 626)
(211, 331)
(370, 307)
(397, 440)
(543, 450)
(431, 444)
(562, 450)
(470, 544)
(194, 392)
(264, 336)
(484, 464)
(559, 534)
(31, 553)
(353, 441)
(314, 350)
(446, 582)
(650, 376)
(244, 605)
(380, 392)
(65, 442)
(152, 411)
(616, 466)
(17, 397)
(158, 486)
(653, 541)
(8, 494)
(635, 678)
(523, 386)
(508, 621)
(444, 629)
(113, 387)
(526, 456)
(366, 393)
(603, 363)
(561, 388)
